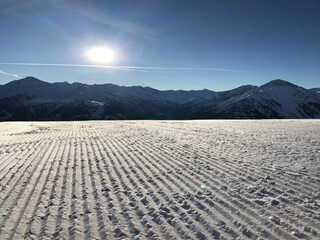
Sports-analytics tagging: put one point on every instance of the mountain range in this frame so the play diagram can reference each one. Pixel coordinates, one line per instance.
(34, 100)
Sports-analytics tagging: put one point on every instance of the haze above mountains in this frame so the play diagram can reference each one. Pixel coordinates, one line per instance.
(33, 99)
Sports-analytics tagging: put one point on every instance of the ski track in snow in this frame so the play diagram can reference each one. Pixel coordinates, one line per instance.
(160, 179)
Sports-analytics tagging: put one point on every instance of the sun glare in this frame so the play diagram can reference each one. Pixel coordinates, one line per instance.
(100, 55)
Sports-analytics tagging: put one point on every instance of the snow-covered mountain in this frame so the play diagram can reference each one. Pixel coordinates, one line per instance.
(63, 91)
(276, 99)
(33, 99)
(317, 90)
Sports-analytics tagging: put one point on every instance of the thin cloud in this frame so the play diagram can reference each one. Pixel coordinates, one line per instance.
(127, 26)
(9, 74)
(121, 24)
(133, 68)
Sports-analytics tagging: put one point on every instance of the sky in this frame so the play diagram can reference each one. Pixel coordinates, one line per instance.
(164, 44)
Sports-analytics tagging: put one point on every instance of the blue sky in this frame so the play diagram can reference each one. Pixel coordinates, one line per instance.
(168, 44)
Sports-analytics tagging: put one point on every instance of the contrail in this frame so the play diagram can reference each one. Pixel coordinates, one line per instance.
(117, 67)
(9, 74)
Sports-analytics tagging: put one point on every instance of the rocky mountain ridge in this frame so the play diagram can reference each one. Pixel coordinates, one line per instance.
(33, 99)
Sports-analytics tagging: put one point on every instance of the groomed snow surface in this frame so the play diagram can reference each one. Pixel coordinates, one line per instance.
(160, 180)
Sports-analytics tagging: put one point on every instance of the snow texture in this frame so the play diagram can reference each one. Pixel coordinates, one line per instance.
(160, 180)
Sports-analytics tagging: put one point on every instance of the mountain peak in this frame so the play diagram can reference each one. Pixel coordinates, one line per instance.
(39, 100)
(26, 81)
(30, 79)
(279, 82)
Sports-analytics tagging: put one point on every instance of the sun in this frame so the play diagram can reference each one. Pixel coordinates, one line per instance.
(100, 54)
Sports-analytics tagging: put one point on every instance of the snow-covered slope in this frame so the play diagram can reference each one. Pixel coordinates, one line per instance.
(317, 90)
(280, 98)
(33, 99)
(276, 99)
(294, 100)
(199, 180)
